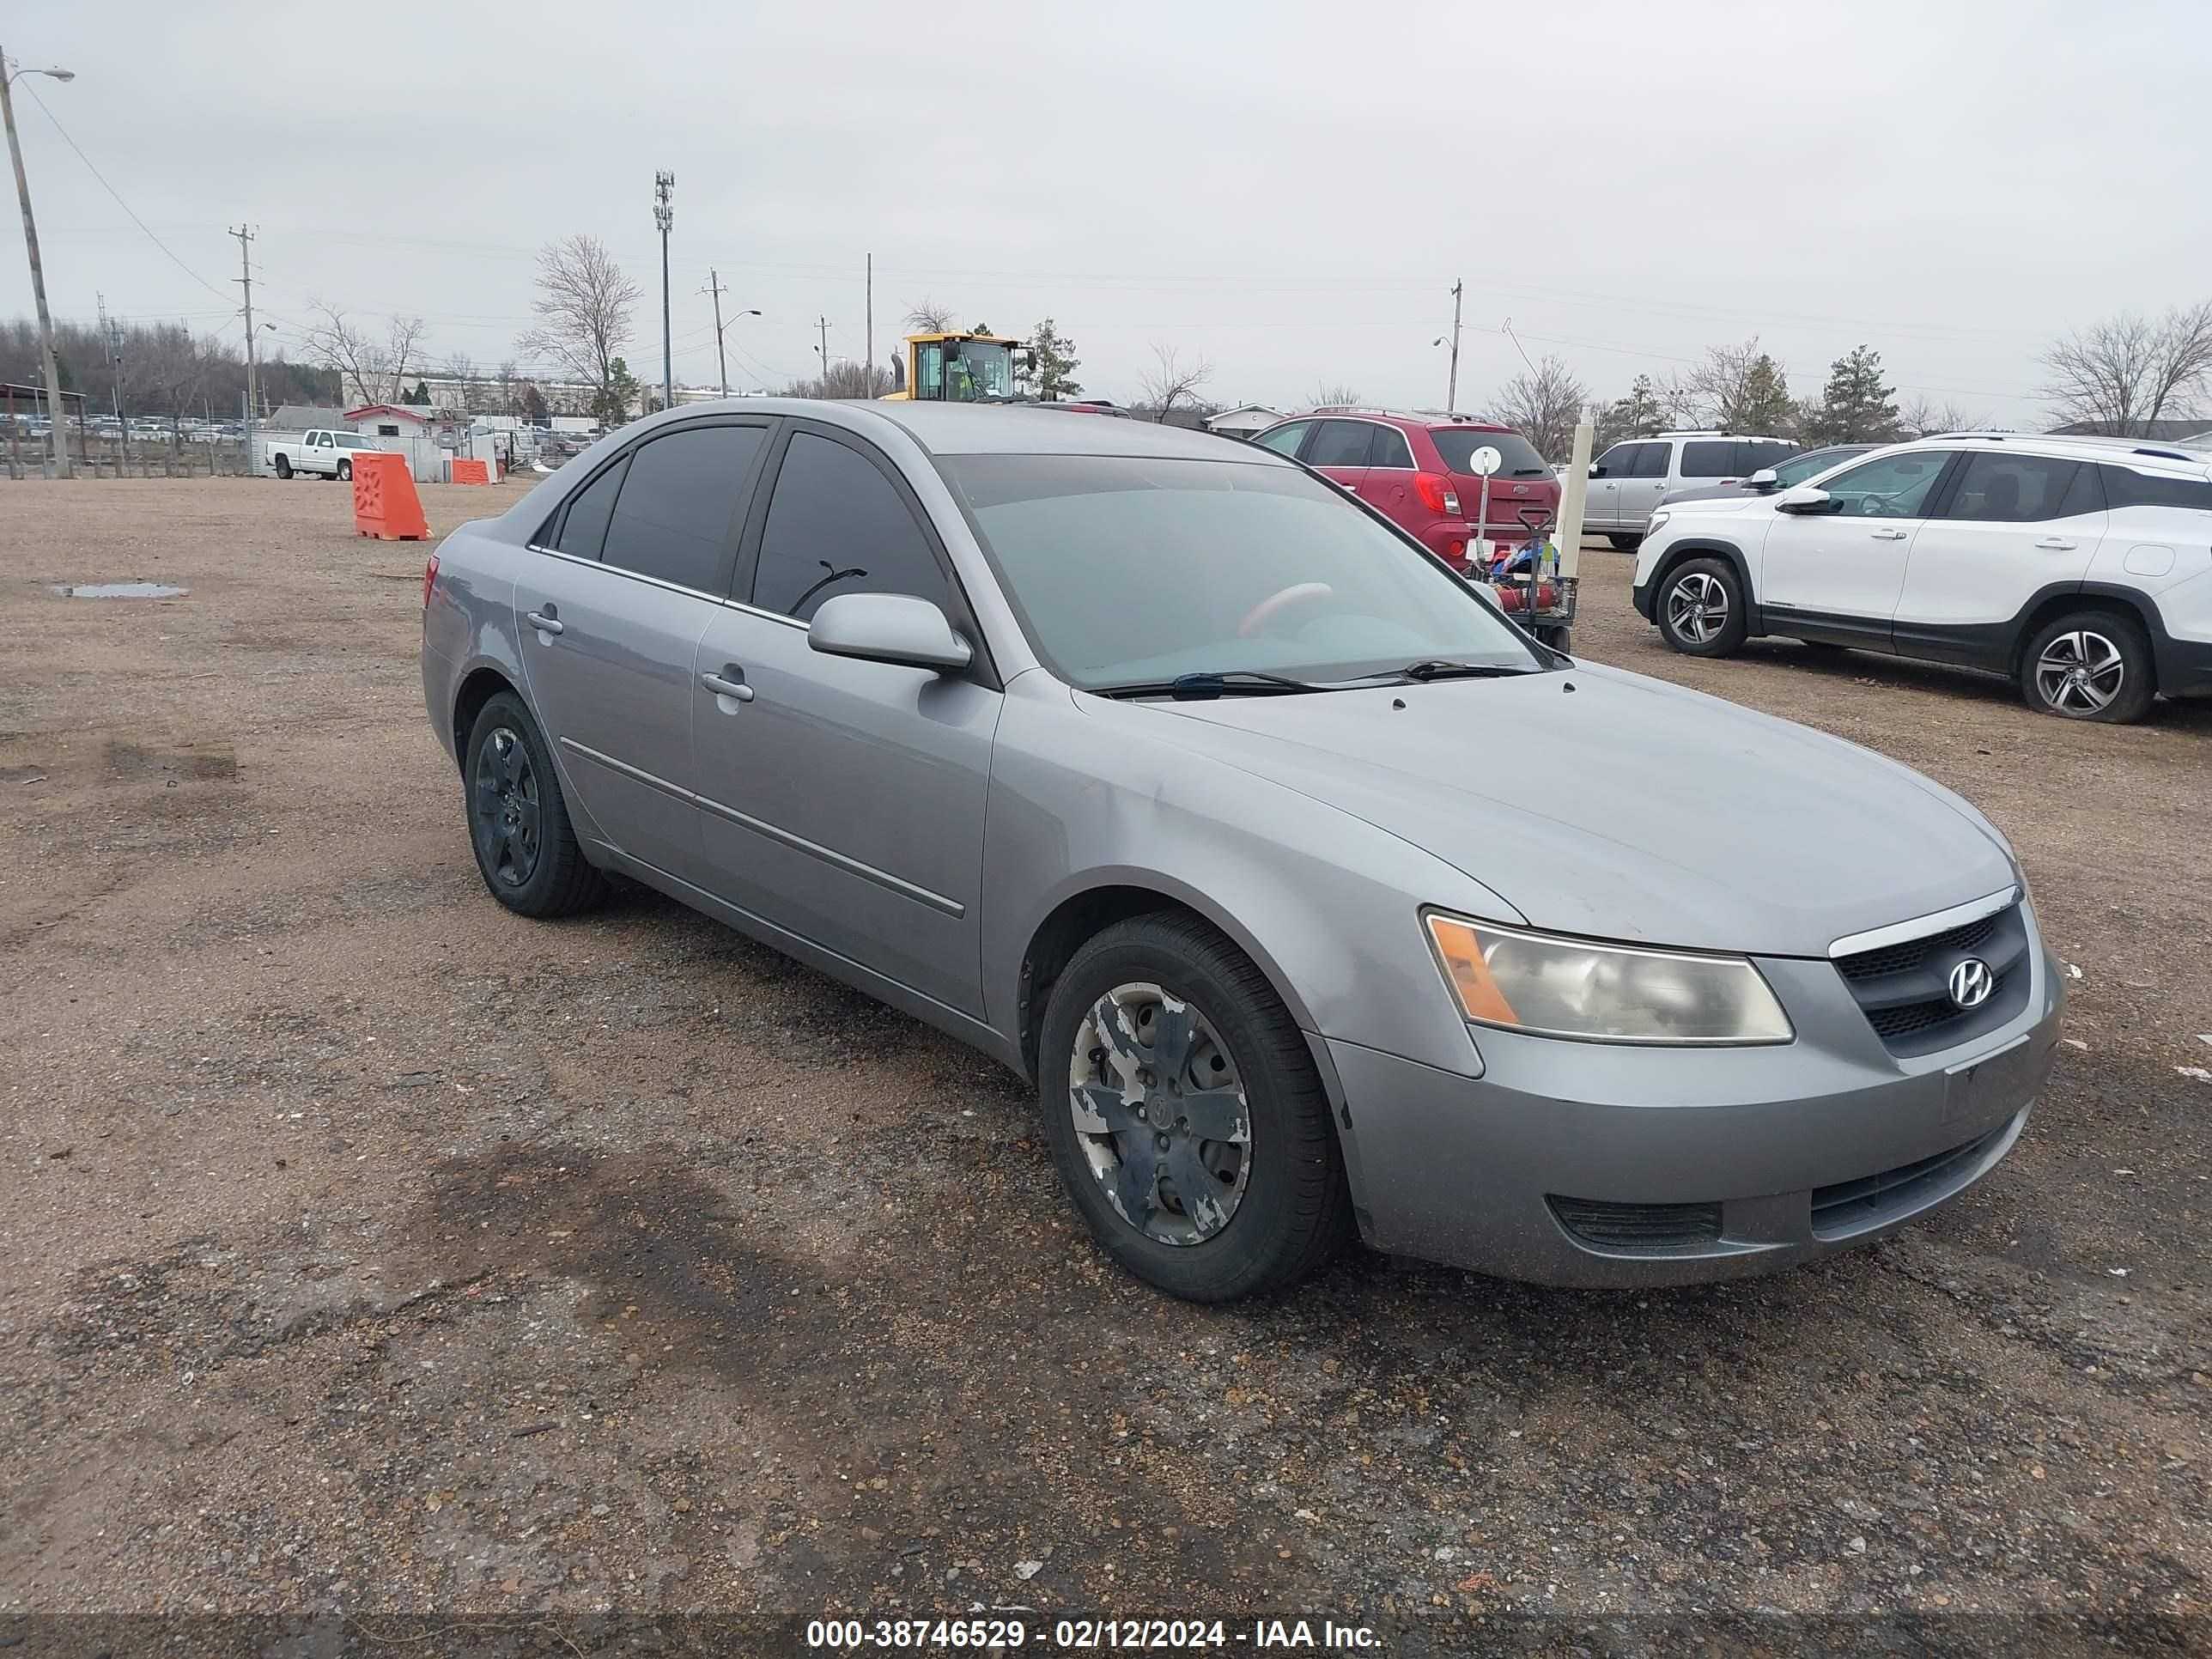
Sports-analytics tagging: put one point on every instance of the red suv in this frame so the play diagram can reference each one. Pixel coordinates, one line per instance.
(1416, 469)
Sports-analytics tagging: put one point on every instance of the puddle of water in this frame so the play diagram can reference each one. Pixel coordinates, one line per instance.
(119, 591)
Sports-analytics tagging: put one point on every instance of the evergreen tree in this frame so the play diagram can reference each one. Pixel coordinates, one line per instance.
(1856, 407)
(1052, 363)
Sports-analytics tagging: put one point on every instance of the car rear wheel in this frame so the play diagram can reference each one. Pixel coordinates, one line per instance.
(345, 470)
(283, 466)
(1185, 1115)
(1626, 543)
(2089, 665)
(1700, 608)
(527, 848)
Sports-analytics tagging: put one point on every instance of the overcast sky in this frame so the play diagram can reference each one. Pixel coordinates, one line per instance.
(1287, 190)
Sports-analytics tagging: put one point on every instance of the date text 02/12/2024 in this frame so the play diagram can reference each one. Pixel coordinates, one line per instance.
(1086, 1635)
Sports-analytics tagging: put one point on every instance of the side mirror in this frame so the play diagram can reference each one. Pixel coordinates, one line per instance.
(1597, 469)
(1763, 479)
(1805, 499)
(894, 627)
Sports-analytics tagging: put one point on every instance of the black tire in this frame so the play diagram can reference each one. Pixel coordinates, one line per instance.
(284, 466)
(1699, 609)
(345, 470)
(554, 879)
(1295, 1210)
(1626, 543)
(2089, 665)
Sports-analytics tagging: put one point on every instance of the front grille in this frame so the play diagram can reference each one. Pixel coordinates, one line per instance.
(1853, 1205)
(1649, 1227)
(1904, 990)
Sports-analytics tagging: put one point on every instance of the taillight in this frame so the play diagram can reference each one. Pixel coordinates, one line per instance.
(429, 580)
(1435, 494)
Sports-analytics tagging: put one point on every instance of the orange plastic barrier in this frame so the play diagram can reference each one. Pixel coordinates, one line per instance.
(471, 473)
(384, 504)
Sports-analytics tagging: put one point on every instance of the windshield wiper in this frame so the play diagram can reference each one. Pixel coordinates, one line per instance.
(1432, 670)
(1226, 682)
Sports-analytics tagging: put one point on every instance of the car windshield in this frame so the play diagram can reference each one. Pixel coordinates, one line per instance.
(1798, 468)
(1517, 456)
(1131, 571)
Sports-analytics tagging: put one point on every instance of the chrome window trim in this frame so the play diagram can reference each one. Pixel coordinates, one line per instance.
(1939, 921)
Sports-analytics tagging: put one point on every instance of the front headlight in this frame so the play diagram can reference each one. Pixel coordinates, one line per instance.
(1657, 519)
(1571, 987)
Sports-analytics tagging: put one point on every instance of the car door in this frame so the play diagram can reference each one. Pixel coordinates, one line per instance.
(1652, 478)
(2009, 526)
(1388, 485)
(1842, 569)
(1601, 503)
(609, 616)
(1338, 451)
(843, 800)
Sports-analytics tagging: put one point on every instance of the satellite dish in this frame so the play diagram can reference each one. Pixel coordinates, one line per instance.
(1485, 461)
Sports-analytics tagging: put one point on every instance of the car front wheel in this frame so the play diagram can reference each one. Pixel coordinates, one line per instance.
(2089, 665)
(1700, 609)
(1185, 1115)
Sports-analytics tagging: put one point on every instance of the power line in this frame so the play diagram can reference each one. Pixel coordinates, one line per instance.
(119, 202)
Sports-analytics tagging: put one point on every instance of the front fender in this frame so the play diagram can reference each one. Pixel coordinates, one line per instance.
(1326, 905)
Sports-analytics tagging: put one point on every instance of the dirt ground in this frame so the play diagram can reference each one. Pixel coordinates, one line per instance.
(367, 1248)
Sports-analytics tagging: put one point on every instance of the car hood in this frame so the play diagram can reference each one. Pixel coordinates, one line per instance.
(1620, 808)
(1722, 492)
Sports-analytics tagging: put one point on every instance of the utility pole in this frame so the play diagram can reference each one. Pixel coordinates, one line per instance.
(1452, 393)
(57, 434)
(871, 358)
(246, 279)
(664, 215)
(112, 333)
(722, 363)
(823, 323)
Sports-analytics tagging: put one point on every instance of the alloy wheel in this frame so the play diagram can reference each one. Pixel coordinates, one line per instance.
(1698, 608)
(1160, 1114)
(2080, 672)
(505, 806)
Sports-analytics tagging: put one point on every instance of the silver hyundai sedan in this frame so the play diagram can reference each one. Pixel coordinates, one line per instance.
(1312, 895)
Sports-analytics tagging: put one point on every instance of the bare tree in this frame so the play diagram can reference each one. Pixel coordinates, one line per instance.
(1542, 404)
(1923, 417)
(583, 307)
(2129, 371)
(370, 367)
(926, 316)
(469, 395)
(1337, 394)
(1739, 388)
(1171, 378)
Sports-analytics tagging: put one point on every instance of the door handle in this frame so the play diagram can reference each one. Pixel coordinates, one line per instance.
(1887, 535)
(2056, 545)
(545, 622)
(736, 690)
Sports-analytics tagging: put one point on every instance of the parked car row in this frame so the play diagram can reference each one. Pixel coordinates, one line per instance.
(1283, 949)
(2080, 566)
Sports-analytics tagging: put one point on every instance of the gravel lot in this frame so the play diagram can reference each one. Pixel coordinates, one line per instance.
(368, 1248)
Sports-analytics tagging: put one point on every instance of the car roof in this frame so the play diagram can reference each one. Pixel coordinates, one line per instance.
(1425, 420)
(1032, 429)
(2143, 455)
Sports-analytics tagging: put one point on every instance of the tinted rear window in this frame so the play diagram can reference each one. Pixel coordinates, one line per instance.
(585, 531)
(1340, 443)
(1715, 459)
(1517, 456)
(676, 517)
(2124, 487)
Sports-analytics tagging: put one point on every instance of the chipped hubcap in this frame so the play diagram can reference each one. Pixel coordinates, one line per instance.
(1160, 1114)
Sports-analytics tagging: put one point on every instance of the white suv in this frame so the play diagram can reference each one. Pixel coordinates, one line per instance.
(2083, 567)
(1627, 481)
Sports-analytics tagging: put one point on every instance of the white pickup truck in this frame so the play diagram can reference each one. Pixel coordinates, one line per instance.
(322, 454)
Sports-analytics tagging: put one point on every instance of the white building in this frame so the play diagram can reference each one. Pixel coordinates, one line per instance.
(1242, 421)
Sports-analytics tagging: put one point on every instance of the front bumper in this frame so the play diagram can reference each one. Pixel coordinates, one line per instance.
(1757, 1157)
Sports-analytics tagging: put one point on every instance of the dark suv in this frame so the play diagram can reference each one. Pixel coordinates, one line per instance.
(1417, 470)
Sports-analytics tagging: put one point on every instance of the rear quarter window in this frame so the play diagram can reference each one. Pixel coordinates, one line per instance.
(2124, 487)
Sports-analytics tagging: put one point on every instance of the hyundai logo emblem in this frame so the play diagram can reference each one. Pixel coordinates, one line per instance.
(1972, 981)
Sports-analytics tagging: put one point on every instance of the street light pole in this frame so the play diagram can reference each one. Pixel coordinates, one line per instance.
(56, 433)
(664, 215)
(715, 286)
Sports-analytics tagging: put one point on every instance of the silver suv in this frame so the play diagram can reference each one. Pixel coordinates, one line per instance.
(1157, 769)
(1627, 481)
